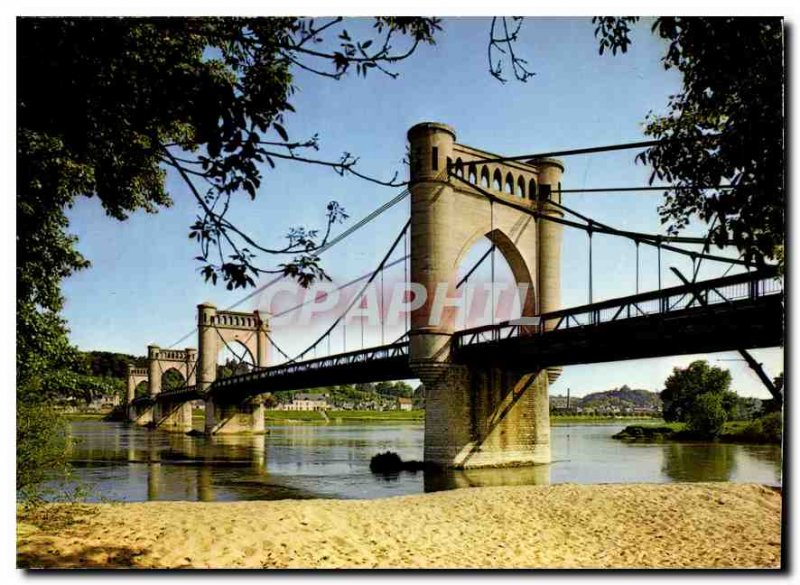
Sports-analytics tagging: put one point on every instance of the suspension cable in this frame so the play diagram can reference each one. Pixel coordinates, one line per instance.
(328, 245)
(658, 247)
(646, 188)
(337, 289)
(356, 298)
(648, 239)
(228, 347)
(476, 265)
(405, 278)
(276, 346)
(381, 307)
(632, 234)
(591, 268)
(574, 151)
(491, 231)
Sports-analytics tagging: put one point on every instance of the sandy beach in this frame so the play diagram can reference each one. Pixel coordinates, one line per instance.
(721, 525)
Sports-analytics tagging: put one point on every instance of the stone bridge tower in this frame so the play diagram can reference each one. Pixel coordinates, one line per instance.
(480, 416)
(159, 361)
(225, 415)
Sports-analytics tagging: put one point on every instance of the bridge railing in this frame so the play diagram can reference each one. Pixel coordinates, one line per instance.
(178, 391)
(397, 349)
(710, 292)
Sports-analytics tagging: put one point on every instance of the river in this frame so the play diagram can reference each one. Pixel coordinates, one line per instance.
(122, 462)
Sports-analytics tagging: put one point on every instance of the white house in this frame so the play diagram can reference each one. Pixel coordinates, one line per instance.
(308, 402)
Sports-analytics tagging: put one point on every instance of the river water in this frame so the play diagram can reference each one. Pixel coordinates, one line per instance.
(122, 462)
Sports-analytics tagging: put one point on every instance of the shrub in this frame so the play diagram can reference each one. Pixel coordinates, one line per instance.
(707, 416)
(42, 445)
(772, 424)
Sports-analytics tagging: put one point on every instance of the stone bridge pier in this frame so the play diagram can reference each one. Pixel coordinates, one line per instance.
(226, 414)
(480, 416)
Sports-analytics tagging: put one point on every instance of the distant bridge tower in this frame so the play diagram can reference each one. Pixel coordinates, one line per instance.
(230, 414)
(166, 415)
(480, 416)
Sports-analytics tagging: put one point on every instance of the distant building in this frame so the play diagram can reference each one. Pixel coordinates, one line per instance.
(106, 402)
(405, 403)
(308, 402)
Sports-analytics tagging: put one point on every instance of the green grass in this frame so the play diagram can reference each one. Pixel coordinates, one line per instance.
(293, 415)
(371, 415)
(74, 416)
(577, 419)
(736, 431)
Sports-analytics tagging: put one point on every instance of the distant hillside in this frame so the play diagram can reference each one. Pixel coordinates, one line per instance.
(622, 397)
(110, 364)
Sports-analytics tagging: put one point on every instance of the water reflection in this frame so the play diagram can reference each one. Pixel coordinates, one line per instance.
(699, 462)
(129, 463)
(456, 479)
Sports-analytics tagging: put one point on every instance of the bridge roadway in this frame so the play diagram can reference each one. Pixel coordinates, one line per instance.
(739, 311)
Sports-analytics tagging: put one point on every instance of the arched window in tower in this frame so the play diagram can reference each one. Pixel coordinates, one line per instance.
(459, 168)
(533, 192)
(521, 188)
(509, 186)
(497, 180)
(472, 176)
(485, 177)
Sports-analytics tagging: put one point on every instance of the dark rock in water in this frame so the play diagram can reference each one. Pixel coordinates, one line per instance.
(388, 462)
(414, 465)
(391, 463)
(196, 433)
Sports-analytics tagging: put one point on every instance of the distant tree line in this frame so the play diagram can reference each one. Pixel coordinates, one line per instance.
(356, 394)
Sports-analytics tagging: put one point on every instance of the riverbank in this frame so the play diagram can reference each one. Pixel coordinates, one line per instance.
(413, 416)
(766, 430)
(721, 525)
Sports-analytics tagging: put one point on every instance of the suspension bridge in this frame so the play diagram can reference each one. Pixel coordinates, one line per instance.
(486, 388)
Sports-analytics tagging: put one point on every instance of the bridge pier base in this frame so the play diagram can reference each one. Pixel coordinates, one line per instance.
(175, 417)
(485, 417)
(225, 418)
(141, 414)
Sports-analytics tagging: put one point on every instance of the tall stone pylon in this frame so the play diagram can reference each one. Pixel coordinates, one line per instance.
(479, 416)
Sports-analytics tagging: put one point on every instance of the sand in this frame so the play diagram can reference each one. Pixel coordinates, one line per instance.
(721, 525)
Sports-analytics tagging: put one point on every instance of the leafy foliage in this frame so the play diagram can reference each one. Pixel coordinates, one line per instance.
(204, 96)
(684, 385)
(395, 389)
(765, 429)
(42, 444)
(613, 32)
(106, 105)
(707, 415)
(725, 126)
(172, 379)
(110, 364)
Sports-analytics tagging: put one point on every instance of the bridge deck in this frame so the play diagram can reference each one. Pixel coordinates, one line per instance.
(740, 311)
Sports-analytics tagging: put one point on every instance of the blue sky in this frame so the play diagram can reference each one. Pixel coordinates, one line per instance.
(143, 285)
